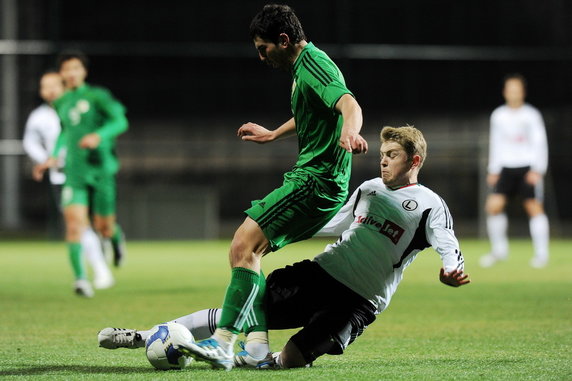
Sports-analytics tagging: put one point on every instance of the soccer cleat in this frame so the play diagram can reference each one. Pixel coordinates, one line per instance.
(538, 262)
(113, 338)
(102, 282)
(489, 260)
(243, 359)
(119, 251)
(210, 351)
(83, 288)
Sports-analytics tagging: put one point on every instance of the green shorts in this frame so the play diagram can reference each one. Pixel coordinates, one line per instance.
(297, 210)
(99, 197)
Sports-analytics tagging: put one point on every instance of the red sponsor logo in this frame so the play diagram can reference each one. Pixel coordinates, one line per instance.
(387, 228)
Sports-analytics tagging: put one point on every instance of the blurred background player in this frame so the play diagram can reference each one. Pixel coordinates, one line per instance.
(327, 121)
(40, 135)
(91, 120)
(387, 221)
(42, 130)
(518, 159)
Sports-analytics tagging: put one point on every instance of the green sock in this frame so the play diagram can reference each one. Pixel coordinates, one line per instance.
(76, 260)
(239, 298)
(117, 236)
(256, 321)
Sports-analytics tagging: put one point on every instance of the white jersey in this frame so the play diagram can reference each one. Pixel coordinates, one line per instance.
(382, 231)
(517, 139)
(42, 130)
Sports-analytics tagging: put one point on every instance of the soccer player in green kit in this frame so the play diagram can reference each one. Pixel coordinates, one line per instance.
(91, 121)
(327, 121)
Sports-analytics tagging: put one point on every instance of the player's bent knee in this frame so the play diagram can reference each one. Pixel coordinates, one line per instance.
(494, 205)
(248, 243)
(533, 207)
(291, 357)
(104, 226)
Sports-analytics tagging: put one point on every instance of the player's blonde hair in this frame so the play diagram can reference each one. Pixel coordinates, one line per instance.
(409, 137)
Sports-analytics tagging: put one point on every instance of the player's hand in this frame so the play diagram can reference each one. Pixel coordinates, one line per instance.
(39, 169)
(255, 133)
(532, 177)
(90, 141)
(492, 179)
(353, 143)
(455, 278)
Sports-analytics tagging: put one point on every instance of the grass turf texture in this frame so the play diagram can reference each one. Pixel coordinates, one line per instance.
(512, 323)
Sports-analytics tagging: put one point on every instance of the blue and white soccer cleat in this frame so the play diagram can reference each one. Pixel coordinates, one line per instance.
(210, 351)
(243, 359)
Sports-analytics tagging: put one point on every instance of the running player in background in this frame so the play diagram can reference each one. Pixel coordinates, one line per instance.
(91, 121)
(518, 159)
(327, 121)
(386, 222)
(42, 130)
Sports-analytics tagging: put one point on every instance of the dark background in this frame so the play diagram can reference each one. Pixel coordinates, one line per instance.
(190, 76)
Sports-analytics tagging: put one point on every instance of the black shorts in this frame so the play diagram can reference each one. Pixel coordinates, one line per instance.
(512, 183)
(332, 315)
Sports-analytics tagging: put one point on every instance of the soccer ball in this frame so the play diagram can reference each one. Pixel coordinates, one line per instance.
(161, 346)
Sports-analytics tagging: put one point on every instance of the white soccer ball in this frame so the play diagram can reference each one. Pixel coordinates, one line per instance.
(162, 344)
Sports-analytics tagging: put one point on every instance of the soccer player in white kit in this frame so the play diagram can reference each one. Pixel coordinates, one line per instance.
(40, 135)
(518, 158)
(387, 221)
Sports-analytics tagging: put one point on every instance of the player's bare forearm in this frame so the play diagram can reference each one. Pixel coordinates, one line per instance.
(39, 169)
(350, 138)
(492, 179)
(455, 278)
(258, 134)
(533, 177)
(90, 141)
(286, 130)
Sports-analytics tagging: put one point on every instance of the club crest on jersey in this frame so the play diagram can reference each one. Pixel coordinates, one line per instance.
(81, 107)
(409, 205)
(387, 228)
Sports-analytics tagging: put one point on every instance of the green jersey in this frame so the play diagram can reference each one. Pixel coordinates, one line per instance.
(318, 85)
(83, 111)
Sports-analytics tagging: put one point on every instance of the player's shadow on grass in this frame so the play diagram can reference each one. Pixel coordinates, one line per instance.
(30, 370)
(70, 370)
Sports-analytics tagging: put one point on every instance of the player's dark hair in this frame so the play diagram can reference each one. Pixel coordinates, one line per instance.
(71, 54)
(516, 76)
(275, 19)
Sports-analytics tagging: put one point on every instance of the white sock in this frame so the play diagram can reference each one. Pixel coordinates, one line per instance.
(257, 344)
(202, 324)
(91, 246)
(225, 338)
(496, 227)
(539, 231)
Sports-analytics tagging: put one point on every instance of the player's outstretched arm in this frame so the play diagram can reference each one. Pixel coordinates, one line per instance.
(454, 278)
(258, 134)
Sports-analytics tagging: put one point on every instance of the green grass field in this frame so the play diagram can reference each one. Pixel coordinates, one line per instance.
(512, 323)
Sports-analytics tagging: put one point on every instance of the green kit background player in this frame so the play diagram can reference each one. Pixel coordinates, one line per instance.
(91, 120)
(327, 121)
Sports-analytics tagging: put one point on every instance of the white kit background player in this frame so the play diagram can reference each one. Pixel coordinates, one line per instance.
(384, 225)
(518, 159)
(40, 135)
